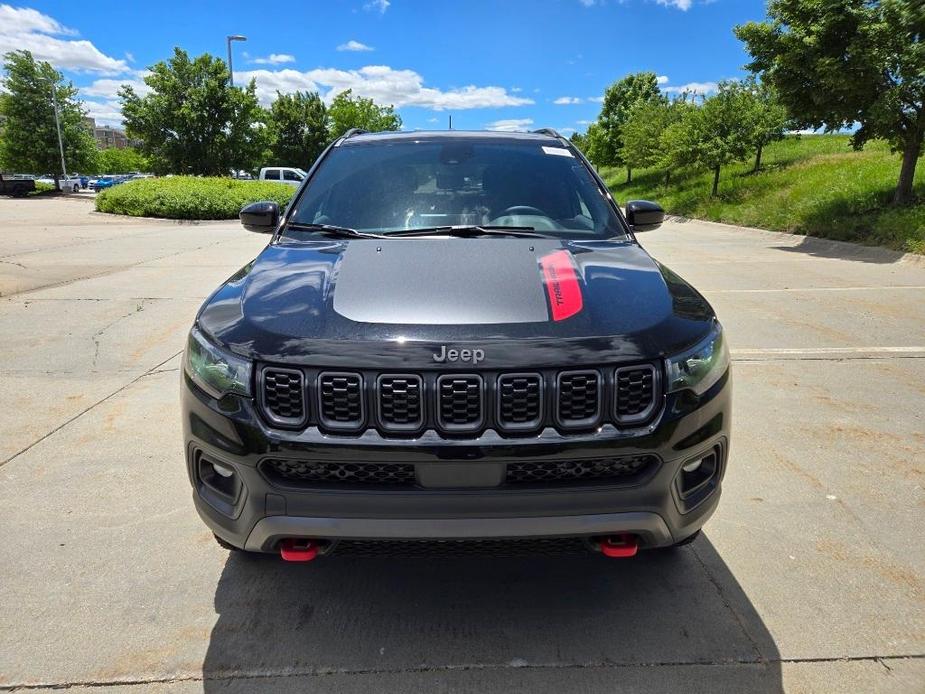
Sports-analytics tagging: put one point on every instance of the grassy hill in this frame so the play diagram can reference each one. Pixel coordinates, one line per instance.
(815, 185)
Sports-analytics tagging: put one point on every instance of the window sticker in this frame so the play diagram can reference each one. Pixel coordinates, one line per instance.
(558, 151)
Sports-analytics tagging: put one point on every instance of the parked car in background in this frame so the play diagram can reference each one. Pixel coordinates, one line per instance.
(16, 185)
(66, 184)
(283, 174)
(104, 182)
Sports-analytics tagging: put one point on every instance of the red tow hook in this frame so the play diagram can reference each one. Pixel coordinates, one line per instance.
(293, 549)
(624, 545)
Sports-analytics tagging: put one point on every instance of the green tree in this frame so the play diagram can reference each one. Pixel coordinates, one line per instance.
(298, 125)
(642, 134)
(835, 63)
(192, 121)
(28, 136)
(579, 140)
(769, 117)
(597, 148)
(115, 160)
(720, 131)
(619, 99)
(347, 111)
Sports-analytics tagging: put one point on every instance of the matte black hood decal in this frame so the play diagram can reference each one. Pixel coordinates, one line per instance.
(441, 281)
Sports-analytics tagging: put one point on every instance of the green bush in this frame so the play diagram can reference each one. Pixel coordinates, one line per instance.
(188, 197)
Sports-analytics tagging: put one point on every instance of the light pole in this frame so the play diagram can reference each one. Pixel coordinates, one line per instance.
(54, 102)
(233, 37)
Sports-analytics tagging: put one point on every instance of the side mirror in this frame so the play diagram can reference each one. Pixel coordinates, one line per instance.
(262, 217)
(643, 215)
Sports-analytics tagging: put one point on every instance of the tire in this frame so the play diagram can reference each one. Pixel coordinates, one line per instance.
(226, 545)
(75, 189)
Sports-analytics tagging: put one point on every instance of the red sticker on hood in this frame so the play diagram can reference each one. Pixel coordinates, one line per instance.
(562, 284)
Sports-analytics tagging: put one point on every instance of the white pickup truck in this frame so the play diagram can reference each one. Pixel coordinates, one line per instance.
(283, 174)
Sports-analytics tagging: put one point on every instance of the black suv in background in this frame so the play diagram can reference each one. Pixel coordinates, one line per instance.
(455, 337)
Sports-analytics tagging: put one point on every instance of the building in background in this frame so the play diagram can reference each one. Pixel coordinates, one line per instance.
(106, 136)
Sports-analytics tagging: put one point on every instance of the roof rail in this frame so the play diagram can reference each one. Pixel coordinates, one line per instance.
(547, 131)
(354, 131)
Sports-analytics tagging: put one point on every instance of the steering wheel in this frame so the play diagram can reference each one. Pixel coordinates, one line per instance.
(522, 209)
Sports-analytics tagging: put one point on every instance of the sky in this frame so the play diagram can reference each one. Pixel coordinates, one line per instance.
(501, 64)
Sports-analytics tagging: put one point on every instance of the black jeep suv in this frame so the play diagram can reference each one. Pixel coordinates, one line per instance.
(454, 338)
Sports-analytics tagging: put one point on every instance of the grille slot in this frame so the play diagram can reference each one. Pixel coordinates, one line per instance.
(400, 402)
(520, 401)
(340, 400)
(559, 472)
(308, 473)
(282, 395)
(460, 402)
(579, 398)
(635, 393)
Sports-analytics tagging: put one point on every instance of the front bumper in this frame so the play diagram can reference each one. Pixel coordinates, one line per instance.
(260, 513)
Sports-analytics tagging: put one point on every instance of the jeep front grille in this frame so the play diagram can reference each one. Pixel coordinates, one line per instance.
(400, 402)
(283, 395)
(460, 402)
(340, 400)
(508, 404)
(579, 399)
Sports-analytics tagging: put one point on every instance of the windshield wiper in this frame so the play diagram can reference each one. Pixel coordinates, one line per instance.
(333, 230)
(469, 231)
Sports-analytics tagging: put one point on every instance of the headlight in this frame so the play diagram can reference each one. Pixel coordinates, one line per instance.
(700, 367)
(214, 370)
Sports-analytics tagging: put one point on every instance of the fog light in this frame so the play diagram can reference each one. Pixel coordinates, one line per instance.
(692, 466)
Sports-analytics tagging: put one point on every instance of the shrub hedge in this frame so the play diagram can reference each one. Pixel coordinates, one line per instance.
(188, 197)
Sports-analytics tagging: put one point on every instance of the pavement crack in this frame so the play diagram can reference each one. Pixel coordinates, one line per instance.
(99, 333)
(321, 672)
(85, 410)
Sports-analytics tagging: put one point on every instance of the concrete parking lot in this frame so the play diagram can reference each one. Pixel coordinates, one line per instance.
(811, 576)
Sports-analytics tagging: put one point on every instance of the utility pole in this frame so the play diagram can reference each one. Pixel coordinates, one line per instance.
(54, 101)
(451, 121)
(229, 39)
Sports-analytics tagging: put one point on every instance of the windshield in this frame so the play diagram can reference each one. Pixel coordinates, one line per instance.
(394, 186)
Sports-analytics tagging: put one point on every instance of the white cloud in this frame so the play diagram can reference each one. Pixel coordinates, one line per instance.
(510, 125)
(585, 122)
(567, 100)
(275, 59)
(693, 88)
(379, 6)
(104, 112)
(566, 130)
(516, 90)
(108, 88)
(354, 46)
(27, 29)
(588, 3)
(596, 99)
(381, 83)
(683, 5)
(661, 79)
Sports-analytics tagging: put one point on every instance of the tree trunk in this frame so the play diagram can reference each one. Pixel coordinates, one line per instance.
(667, 177)
(903, 194)
(715, 182)
(629, 175)
(758, 159)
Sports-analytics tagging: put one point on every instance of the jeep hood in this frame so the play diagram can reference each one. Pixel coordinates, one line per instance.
(394, 302)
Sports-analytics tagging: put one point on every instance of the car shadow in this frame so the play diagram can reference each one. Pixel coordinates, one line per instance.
(842, 250)
(664, 618)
